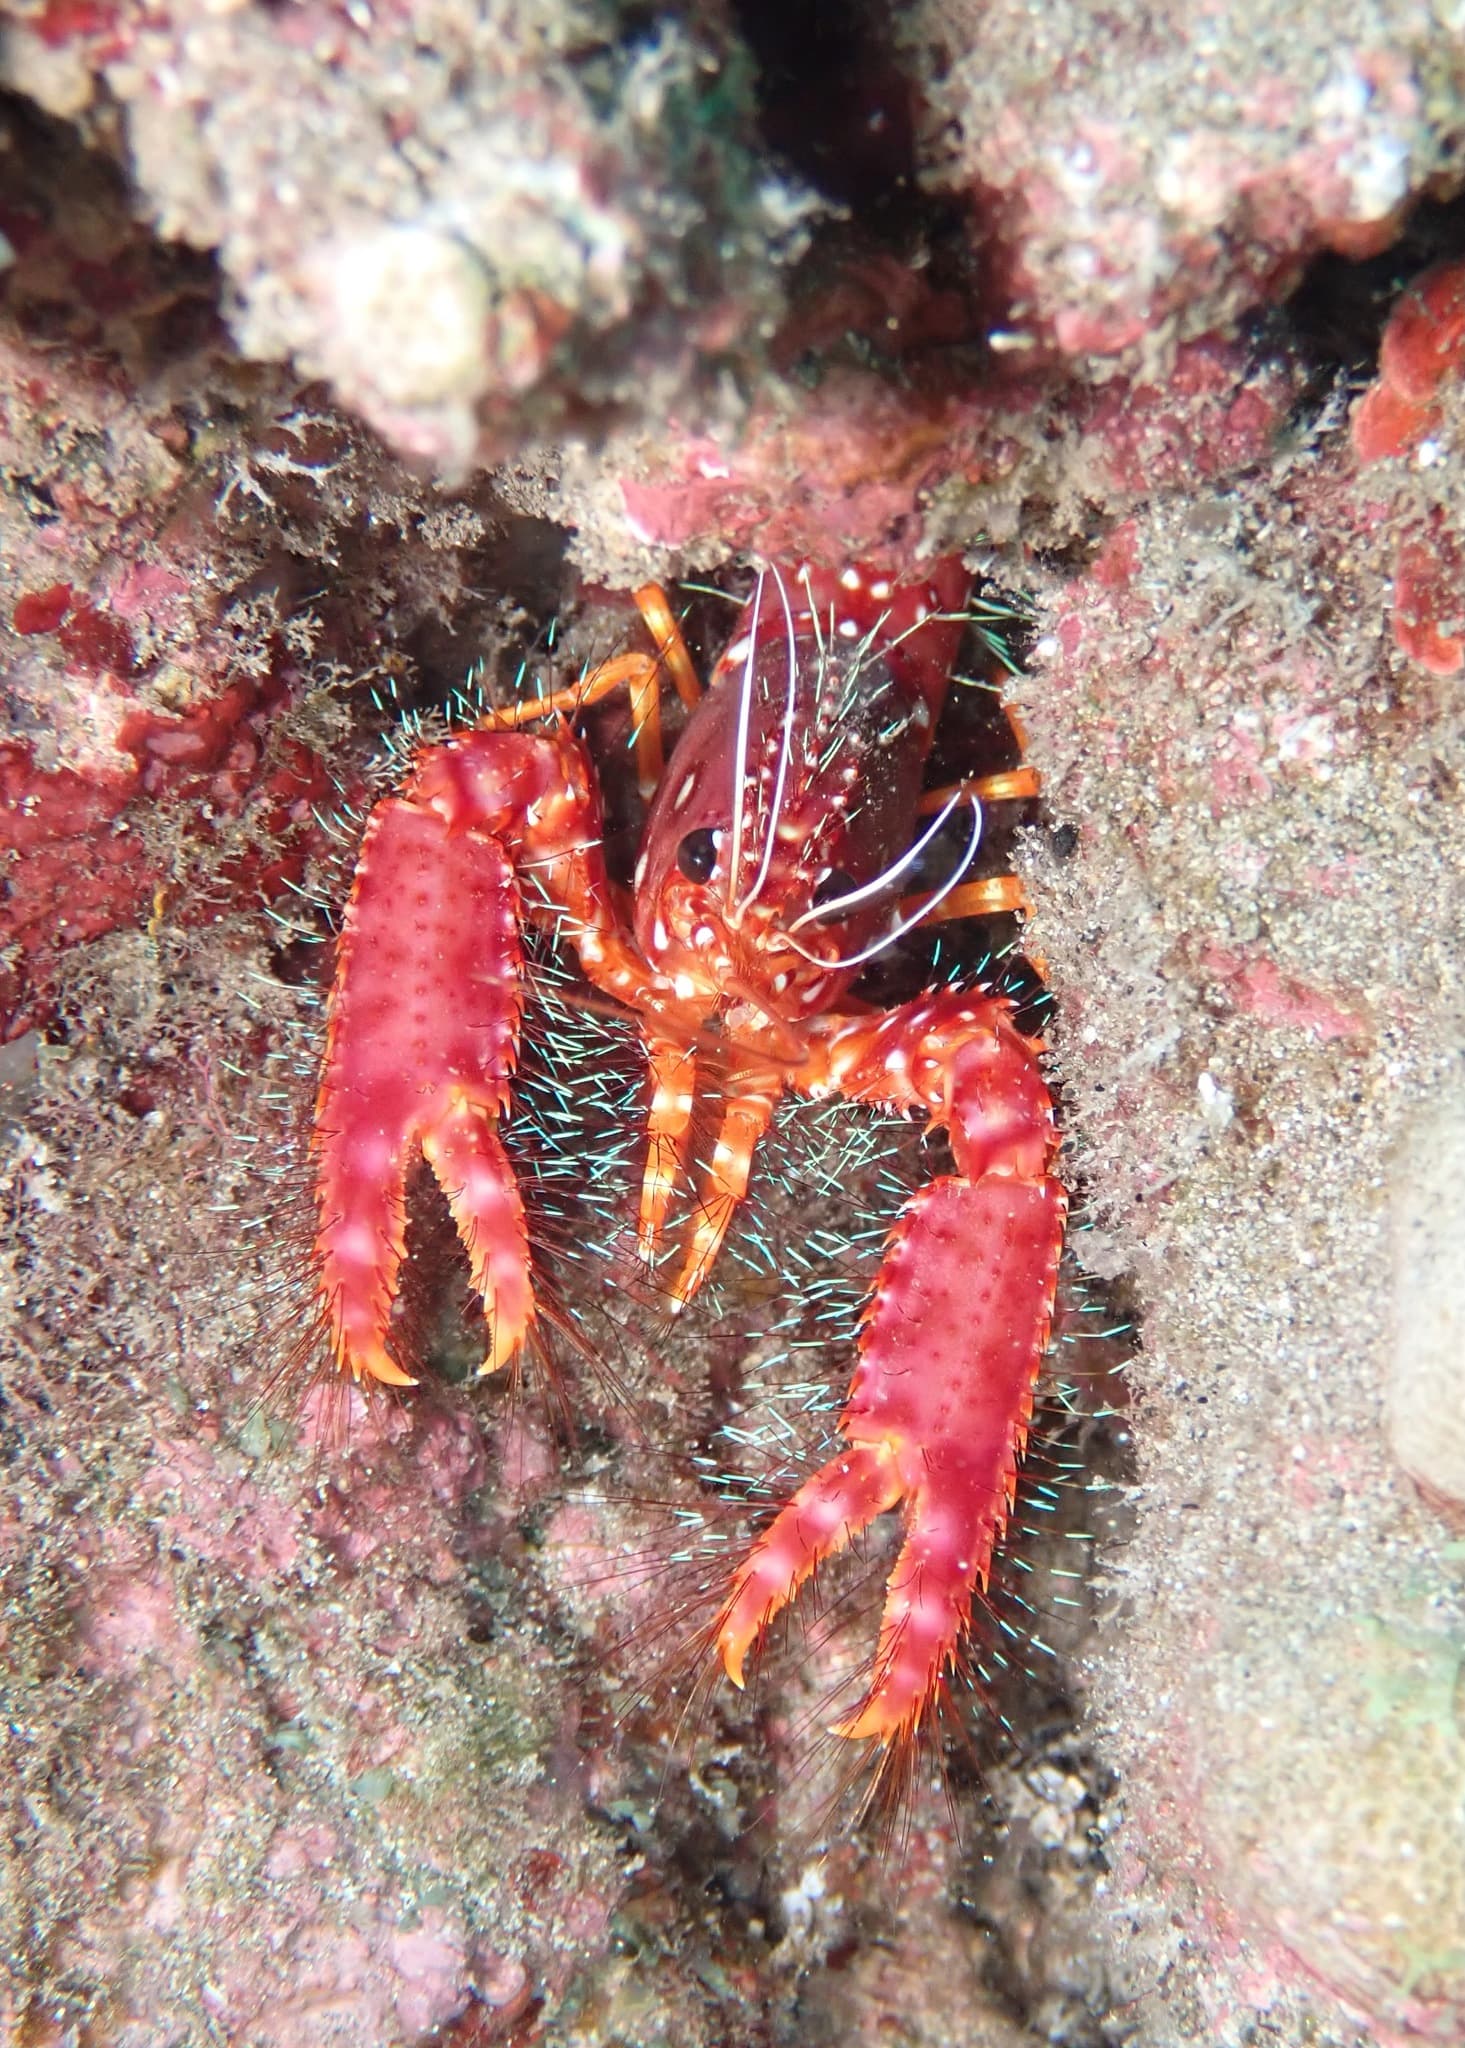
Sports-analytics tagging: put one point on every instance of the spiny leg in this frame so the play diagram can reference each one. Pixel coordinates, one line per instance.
(749, 1099)
(673, 1070)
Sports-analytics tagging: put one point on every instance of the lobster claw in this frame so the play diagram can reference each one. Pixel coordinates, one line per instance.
(950, 1348)
(422, 1037)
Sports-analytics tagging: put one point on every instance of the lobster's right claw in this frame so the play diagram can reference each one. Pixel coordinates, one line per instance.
(422, 1036)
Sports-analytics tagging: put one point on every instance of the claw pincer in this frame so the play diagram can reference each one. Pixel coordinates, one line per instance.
(770, 875)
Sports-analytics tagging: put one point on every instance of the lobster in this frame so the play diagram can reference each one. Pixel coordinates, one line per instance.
(779, 834)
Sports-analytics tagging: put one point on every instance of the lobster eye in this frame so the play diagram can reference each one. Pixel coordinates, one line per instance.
(838, 882)
(697, 854)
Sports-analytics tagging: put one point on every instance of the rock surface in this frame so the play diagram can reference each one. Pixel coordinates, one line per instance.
(320, 1720)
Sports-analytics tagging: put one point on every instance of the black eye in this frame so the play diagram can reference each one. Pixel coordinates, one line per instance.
(838, 882)
(697, 855)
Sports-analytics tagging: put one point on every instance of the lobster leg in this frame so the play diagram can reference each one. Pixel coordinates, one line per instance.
(640, 674)
(750, 1097)
(673, 1070)
(938, 1411)
(748, 1101)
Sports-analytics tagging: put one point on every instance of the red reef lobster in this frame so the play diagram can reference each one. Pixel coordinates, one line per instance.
(778, 835)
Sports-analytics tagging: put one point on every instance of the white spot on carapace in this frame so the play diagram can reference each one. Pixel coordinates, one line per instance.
(659, 936)
(684, 792)
(589, 947)
(923, 612)
(848, 629)
(880, 591)
(683, 987)
(779, 983)
(737, 652)
(849, 579)
(704, 935)
(920, 716)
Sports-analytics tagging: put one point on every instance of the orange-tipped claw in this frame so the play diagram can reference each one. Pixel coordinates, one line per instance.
(422, 1033)
(938, 1412)
(950, 1530)
(937, 1418)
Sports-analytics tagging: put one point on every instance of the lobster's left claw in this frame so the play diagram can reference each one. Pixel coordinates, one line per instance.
(939, 1408)
(937, 1419)
(423, 1033)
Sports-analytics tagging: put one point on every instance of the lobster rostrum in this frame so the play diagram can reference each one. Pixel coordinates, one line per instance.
(779, 835)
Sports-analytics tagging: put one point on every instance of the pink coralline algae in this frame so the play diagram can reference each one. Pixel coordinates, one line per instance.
(1258, 987)
(1421, 361)
(852, 464)
(1138, 166)
(1429, 597)
(824, 475)
(1422, 351)
(168, 624)
(41, 611)
(134, 731)
(81, 860)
